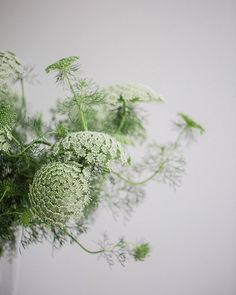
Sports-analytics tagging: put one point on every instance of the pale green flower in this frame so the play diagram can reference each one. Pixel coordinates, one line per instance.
(4, 144)
(7, 120)
(59, 193)
(131, 92)
(89, 148)
(7, 115)
(63, 64)
(11, 68)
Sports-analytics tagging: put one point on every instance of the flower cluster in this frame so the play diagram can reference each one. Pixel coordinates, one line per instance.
(5, 137)
(11, 68)
(7, 115)
(63, 64)
(59, 192)
(53, 177)
(131, 92)
(7, 120)
(90, 149)
(66, 70)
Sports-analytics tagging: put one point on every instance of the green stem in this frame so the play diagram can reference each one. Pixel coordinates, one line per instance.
(16, 140)
(23, 104)
(134, 183)
(3, 195)
(124, 115)
(179, 137)
(87, 250)
(79, 103)
(33, 143)
(29, 146)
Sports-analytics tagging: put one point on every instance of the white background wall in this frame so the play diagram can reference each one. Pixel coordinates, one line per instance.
(185, 50)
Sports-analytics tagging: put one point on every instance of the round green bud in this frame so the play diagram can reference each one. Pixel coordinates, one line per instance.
(61, 130)
(59, 193)
(141, 251)
(26, 218)
(89, 148)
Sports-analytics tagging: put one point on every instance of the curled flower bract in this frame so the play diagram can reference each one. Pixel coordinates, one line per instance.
(59, 193)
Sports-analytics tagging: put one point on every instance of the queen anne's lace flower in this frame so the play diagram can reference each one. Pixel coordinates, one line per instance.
(11, 68)
(7, 120)
(5, 137)
(7, 115)
(63, 64)
(90, 148)
(59, 193)
(131, 92)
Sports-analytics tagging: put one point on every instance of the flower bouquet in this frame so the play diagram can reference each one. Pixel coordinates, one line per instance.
(54, 176)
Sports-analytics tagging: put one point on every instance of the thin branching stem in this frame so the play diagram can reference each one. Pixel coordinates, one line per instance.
(124, 115)
(23, 103)
(16, 140)
(4, 194)
(159, 170)
(29, 147)
(79, 103)
(134, 183)
(90, 251)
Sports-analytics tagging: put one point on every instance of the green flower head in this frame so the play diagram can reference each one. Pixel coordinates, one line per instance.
(7, 115)
(4, 141)
(131, 93)
(141, 251)
(63, 64)
(90, 149)
(7, 121)
(59, 193)
(11, 68)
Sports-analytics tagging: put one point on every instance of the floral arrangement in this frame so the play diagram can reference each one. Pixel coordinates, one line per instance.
(54, 177)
